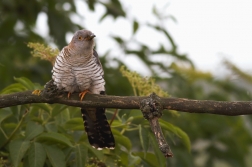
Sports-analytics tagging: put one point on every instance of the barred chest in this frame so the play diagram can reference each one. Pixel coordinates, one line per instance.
(78, 77)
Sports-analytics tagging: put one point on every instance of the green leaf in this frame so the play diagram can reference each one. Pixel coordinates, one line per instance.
(4, 113)
(135, 113)
(139, 120)
(128, 159)
(25, 162)
(62, 117)
(43, 106)
(32, 130)
(144, 138)
(122, 140)
(124, 156)
(91, 4)
(17, 150)
(133, 160)
(81, 154)
(99, 154)
(3, 138)
(51, 127)
(17, 87)
(25, 82)
(178, 132)
(118, 123)
(113, 8)
(55, 156)
(160, 157)
(124, 118)
(58, 108)
(74, 124)
(36, 155)
(10, 126)
(118, 40)
(149, 158)
(54, 137)
(135, 26)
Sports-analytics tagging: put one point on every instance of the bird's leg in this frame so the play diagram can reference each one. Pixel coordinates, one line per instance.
(82, 94)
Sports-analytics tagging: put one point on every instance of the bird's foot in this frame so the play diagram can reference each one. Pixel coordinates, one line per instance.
(36, 92)
(82, 94)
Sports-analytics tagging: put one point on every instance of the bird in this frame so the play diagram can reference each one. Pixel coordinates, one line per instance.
(77, 68)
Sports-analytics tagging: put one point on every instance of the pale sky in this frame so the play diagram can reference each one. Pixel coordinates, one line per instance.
(206, 30)
(212, 30)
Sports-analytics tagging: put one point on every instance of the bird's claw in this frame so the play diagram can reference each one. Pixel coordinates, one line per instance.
(82, 94)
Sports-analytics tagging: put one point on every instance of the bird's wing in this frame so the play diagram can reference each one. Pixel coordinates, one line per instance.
(97, 58)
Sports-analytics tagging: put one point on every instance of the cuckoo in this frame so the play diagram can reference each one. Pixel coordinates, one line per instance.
(78, 69)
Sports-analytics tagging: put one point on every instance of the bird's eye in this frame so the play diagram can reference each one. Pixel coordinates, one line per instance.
(80, 38)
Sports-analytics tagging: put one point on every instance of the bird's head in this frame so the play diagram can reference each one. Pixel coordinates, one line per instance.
(83, 41)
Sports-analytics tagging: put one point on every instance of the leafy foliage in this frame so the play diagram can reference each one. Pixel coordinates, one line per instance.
(37, 129)
(54, 134)
(142, 86)
(17, 28)
(45, 53)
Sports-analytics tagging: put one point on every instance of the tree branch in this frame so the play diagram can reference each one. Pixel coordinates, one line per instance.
(129, 102)
(151, 106)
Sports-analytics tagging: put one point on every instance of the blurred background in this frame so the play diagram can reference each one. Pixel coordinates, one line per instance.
(193, 49)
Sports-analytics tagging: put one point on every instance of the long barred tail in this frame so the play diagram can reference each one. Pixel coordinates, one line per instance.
(97, 128)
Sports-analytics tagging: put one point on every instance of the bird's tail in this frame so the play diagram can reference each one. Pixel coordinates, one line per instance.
(97, 128)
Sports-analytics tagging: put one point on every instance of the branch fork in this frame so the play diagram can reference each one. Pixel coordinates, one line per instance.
(152, 110)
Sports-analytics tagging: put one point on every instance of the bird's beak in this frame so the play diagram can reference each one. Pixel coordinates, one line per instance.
(91, 36)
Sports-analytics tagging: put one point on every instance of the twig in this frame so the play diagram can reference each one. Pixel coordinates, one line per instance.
(14, 131)
(152, 110)
(113, 117)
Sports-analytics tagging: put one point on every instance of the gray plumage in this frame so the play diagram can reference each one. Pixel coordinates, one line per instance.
(77, 69)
